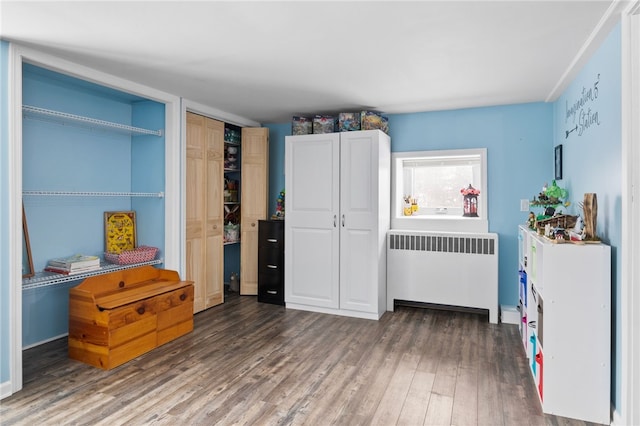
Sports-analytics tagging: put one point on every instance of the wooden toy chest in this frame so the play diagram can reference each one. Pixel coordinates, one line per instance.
(118, 316)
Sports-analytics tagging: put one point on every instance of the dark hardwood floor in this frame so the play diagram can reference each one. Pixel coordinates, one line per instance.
(253, 363)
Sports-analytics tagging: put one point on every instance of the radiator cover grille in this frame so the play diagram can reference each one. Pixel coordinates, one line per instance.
(439, 243)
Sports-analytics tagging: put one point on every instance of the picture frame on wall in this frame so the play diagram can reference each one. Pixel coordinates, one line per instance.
(119, 231)
(558, 162)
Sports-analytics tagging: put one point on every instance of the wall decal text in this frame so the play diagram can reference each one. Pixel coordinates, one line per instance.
(583, 110)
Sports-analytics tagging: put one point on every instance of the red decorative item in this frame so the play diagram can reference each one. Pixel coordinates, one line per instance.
(470, 195)
(540, 361)
(137, 255)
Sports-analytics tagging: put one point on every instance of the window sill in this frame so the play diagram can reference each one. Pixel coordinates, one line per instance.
(440, 223)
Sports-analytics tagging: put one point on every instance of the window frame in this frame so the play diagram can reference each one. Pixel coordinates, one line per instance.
(442, 223)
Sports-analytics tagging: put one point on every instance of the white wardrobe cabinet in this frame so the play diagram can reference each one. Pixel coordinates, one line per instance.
(338, 213)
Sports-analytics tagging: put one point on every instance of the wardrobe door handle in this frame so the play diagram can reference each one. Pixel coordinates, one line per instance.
(334, 220)
(272, 266)
(343, 221)
(272, 240)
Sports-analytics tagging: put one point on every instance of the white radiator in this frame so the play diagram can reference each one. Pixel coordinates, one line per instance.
(453, 269)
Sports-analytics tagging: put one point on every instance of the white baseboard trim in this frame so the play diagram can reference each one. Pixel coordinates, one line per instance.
(33, 345)
(5, 389)
(616, 419)
(332, 311)
(509, 314)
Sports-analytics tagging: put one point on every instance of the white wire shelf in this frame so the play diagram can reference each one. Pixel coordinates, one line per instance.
(46, 279)
(63, 117)
(93, 194)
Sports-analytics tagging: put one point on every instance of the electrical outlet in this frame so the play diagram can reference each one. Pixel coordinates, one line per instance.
(524, 205)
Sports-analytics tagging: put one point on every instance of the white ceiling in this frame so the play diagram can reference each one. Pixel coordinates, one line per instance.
(267, 61)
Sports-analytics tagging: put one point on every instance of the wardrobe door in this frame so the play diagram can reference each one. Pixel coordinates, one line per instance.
(364, 220)
(254, 183)
(312, 230)
(358, 221)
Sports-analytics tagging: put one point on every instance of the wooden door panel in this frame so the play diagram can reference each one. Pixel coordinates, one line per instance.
(214, 285)
(214, 143)
(249, 261)
(196, 270)
(254, 192)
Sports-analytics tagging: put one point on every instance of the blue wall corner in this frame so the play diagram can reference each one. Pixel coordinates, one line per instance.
(588, 124)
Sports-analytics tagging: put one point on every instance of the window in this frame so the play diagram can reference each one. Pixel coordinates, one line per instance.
(427, 190)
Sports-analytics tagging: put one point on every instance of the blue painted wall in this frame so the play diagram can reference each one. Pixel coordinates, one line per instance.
(277, 133)
(588, 123)
(70, 158)
(148, 172)
(519, 142)
(5, 344)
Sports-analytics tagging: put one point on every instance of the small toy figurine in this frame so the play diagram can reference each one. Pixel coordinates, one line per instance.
(279, 214)
(577, 233)
(531, 220)
(559, 234)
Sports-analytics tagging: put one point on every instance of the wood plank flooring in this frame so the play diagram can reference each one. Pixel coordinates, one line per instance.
(255, 363)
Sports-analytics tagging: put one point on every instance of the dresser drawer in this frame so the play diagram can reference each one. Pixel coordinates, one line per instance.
(271, 234)
(270, 280)
(270, 260)
(175, 314)
(271, 288)
(133, 312)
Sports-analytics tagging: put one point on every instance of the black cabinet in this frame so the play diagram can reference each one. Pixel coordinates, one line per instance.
(271, 261)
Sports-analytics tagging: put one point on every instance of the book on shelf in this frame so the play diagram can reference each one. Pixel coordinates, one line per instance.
(75, 262)
(64, 271)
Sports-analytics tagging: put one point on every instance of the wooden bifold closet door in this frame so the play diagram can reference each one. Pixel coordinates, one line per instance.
(254, 189)
(204, 206)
